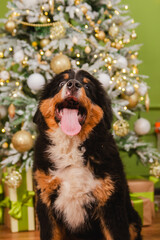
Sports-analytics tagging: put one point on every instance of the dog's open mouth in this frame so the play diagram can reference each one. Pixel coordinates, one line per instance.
(71, 115)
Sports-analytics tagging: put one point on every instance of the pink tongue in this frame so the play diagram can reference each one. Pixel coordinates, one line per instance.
(69, 122)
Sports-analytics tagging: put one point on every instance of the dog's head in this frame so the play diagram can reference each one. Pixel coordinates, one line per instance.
(75, 102)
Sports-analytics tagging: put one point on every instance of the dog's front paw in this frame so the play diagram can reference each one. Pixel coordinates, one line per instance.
(103, 191)
(47, 185)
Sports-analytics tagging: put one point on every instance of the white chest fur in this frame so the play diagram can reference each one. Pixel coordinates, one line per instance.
(77, 180)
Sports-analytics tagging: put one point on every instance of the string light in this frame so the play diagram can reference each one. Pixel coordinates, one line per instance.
(3, 130)
(125, 108)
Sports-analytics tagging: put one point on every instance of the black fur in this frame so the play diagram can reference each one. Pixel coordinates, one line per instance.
(118, 213)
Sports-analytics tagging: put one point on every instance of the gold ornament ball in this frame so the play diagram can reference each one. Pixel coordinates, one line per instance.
(22, 141)
(113, 30)
(5, 145)
(133, 99)
(121, 127)
(101, 35)
(87, 49)
(43, 19)
(13, 179)
(60, 63)
(10, 26)
(1, 54)
(44, 42)
(48, 53)
(155, 169)
(84, 9)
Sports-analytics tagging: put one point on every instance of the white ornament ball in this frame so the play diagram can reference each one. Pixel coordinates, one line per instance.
(142, 126)
(3, 112)
(4, 75)
(129, 90)
(104, 80)
(142, 90)
(35, 81)
(75, 40)
(121, 62)
(30, 3)
(18, 56)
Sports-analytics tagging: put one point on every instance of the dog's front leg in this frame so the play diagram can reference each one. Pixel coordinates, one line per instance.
(47, 187)
(111, 211)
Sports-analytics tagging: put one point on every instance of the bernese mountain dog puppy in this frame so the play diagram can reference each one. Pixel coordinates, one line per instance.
(81, 186)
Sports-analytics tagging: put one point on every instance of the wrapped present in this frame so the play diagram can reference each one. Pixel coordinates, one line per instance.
(142, 196)
(20, 214)
(1, 204)
(144, 207)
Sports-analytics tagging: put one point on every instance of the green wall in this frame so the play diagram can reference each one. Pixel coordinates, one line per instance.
(147, 13)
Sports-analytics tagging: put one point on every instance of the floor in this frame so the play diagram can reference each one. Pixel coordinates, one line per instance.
(149, 233)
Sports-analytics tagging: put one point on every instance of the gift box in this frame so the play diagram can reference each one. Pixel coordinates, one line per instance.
(142, 197)
(20, 214)
(1, 204)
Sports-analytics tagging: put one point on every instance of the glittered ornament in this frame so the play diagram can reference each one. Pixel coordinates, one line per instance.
(18, 55)
(35, 81)
(57, 31)
(43, 18)
(129, 90)
(3, 111)
(13, 179)
(142, 89)
(11, 110)
(4, 75)
(101, 35)
(22, 141)
(155, 169)
(87, 49)
(60, 63)
(104, 80)
(121, 127)
(10, 26)
(142, 126)
(133, 99)
(113, 30)
(121, 62)
(44, 42)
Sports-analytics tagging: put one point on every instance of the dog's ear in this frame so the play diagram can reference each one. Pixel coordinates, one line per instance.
(37, 116)
(39, 120)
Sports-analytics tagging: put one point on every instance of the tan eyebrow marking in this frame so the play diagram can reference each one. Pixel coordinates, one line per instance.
(85, 80)
(66, 76)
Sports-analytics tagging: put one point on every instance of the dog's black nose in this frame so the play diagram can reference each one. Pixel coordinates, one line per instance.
(73, 85)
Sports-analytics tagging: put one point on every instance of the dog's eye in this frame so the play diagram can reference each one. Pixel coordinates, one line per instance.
(86, 86)
(62, 84)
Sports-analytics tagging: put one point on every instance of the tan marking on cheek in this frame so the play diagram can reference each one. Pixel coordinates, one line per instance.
(94, 115)
(86, 80)
(47, 185)
(104, 191)
(132, 231)
(106, 232)
(47, 108)
(66, 76)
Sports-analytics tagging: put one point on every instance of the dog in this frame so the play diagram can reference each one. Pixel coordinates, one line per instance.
(81, 187)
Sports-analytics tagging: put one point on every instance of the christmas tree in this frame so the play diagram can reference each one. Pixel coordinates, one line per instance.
(41, 38)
